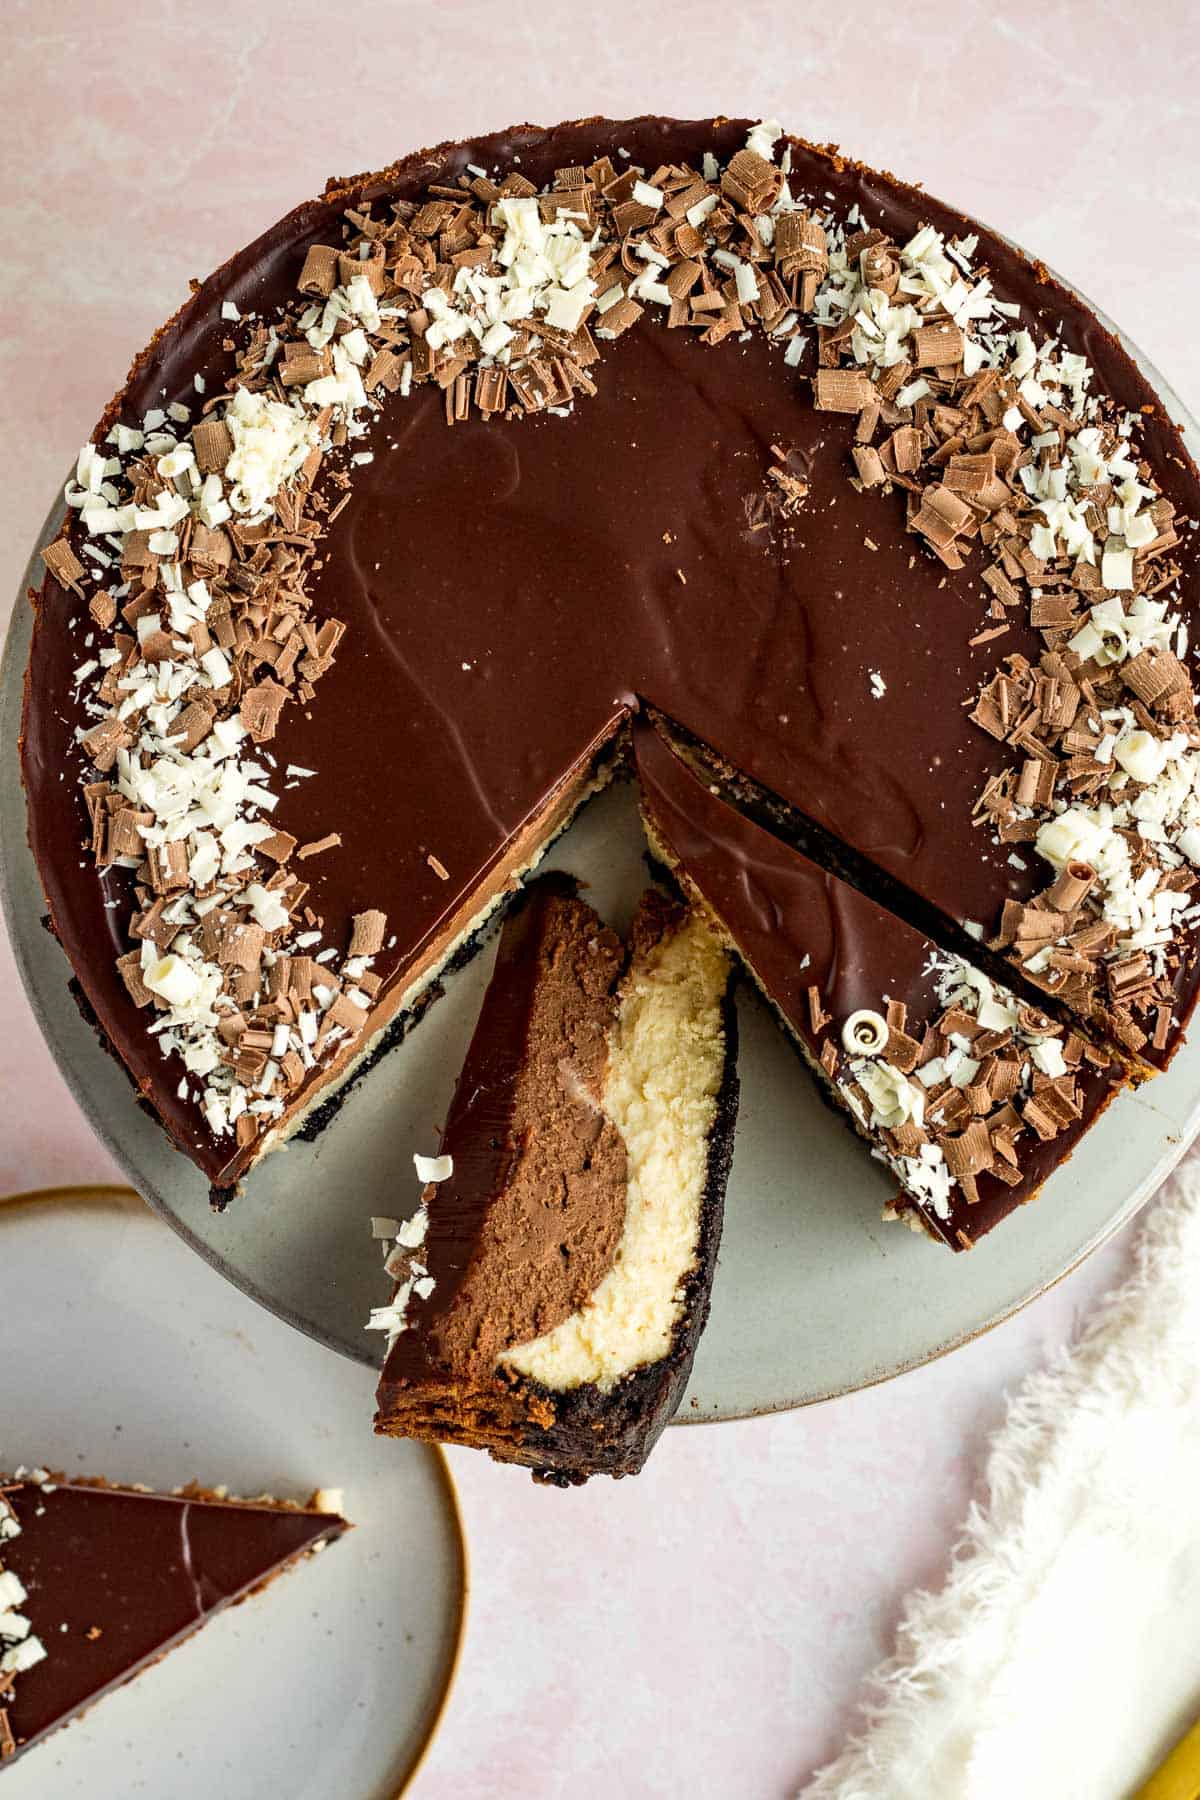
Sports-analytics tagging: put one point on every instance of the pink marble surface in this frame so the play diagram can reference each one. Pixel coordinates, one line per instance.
(702, 1630)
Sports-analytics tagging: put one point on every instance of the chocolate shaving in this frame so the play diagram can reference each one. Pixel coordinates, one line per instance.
(840, 390)
(1040, 1118)
(64, 565)
(1071, 887)
(330, 841)
(319, 275)
(902, 1051)
(212, 443)
(129, 967)
(369, 929)
(278, 847)
(937, 346)
(260, 709)
(871, 471)
(168, 867)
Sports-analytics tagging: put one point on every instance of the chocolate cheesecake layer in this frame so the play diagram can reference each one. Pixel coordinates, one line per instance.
(530, 1219)
(984, 1122)
(509, 585)
(113, 1578)
(555, 1280)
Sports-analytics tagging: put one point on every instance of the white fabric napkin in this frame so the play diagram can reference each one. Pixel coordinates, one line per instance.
(1061, 1659)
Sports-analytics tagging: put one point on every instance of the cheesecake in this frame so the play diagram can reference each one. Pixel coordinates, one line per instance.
(552, 1285)
(98, 1581)
(436, 485)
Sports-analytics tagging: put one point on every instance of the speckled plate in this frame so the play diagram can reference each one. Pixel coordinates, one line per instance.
(332, 1680)
(814, 1295)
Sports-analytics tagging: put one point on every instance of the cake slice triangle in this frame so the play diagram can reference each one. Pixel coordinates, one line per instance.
(970, 1096)
(554, 1282)
(98, 1581)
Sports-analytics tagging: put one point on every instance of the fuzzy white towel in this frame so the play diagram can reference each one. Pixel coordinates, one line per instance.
(1062, 1658)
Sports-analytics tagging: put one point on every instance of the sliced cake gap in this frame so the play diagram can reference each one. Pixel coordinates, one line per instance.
(970, 1098)
(793, 828)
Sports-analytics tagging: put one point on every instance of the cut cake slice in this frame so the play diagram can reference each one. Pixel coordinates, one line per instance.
(554, 1283)
(99, 1581)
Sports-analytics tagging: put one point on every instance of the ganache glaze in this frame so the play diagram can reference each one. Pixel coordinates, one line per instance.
(574, 564)
(143, 1569)
(798, 926)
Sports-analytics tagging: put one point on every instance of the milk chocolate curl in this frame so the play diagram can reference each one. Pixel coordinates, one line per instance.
(970, 1153)
(63, 564)
(319, 275)
(1071, 887)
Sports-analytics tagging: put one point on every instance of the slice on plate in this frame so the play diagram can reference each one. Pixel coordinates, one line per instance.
(971, 1097)
(98, 1581)
(554, 1282)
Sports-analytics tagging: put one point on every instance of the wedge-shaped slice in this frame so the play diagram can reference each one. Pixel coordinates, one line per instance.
(553, 1286)
(97, 1581)
(1091, 941)
(969, 1096)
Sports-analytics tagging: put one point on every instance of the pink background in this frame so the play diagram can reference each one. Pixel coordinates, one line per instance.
(702, 1630)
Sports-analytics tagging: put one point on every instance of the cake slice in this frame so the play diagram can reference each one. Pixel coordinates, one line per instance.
(98, 1581)
(554, 1282)
(969, 1096)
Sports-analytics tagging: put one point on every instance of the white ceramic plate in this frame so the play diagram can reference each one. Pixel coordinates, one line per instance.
(124, 1357)
(814, 1295)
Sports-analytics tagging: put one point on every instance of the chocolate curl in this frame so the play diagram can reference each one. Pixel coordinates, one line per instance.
(63, 564)
(869, 467)
(938, 346)
(1038, 925)
(881, 268)
(212, 442)
(1071, 887)
(840, 390)
(970, 1153)
(320, 272)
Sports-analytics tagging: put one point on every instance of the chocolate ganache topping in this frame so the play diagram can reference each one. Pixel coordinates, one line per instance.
(814, 537)
(113, 1578)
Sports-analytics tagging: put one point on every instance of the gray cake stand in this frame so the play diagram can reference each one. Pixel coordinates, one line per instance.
(814, 1295)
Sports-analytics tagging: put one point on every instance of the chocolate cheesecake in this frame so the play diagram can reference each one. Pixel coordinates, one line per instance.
(970, 1097)
(554, 1282)
(98, 1581)
(412, 505)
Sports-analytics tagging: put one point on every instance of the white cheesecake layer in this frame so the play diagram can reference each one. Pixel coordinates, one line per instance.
(666, 1065)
